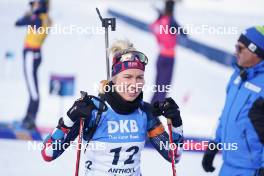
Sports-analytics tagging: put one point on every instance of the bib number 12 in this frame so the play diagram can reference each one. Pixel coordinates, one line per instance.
(116, 151)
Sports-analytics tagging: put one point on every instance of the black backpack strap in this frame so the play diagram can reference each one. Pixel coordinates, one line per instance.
(96, 122)
(94, 126)
(145, 107)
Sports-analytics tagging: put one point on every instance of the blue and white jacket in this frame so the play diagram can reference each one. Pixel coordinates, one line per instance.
(239, 124)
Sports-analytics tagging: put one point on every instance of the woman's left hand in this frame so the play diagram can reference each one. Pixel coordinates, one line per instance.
(169, 109)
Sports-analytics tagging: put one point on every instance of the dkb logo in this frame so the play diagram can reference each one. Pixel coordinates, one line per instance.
(123, 126)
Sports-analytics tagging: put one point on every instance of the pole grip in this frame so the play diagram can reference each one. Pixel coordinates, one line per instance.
(169, 121)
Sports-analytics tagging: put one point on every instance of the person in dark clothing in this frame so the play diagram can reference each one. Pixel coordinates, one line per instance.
(37, 17)
(167, 43)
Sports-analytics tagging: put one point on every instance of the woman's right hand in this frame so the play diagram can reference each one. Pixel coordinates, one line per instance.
(80, 109)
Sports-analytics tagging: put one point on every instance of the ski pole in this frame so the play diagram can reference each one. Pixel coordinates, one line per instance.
(106, 22)
(79, 147)
(172, 151)
(160, 106)
(79, 144)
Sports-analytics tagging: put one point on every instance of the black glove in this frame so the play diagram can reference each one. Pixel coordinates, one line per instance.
(260, 172)
(208, 158)
(80, 109)
(168, 109)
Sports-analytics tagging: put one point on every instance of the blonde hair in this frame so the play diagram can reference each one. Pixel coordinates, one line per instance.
(119, 46)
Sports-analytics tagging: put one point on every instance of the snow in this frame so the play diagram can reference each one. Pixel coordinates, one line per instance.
(198, 84)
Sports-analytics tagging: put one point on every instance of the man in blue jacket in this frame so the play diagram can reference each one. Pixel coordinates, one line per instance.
(242, 119)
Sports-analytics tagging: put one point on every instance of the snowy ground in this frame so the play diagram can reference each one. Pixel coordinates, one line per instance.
(198, 84)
